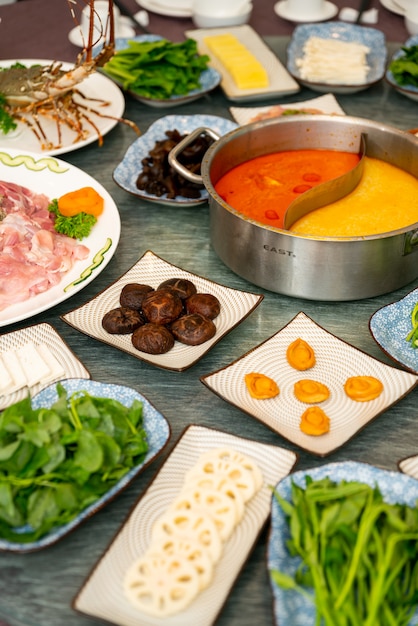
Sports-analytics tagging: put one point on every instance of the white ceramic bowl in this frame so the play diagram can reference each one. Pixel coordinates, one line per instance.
(411, 24)
(203, 20)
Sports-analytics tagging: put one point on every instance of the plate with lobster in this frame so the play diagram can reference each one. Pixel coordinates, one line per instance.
(50, 118)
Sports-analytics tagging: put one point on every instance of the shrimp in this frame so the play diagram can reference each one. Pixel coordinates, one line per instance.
(32, 94)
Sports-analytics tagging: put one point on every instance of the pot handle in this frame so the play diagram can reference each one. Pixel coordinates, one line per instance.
(178, 149)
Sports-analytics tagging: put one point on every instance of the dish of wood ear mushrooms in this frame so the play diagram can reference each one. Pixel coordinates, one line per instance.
(328, 390)
(180, 550)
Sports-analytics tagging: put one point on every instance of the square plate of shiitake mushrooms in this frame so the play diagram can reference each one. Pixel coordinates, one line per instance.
(310, 387)
(163, 314)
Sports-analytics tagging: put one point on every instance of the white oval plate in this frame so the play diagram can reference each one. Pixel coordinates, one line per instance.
(102, 593)
(335, 362)
(152, 270)
(291, 607)
(96, 86)
(53, 177)
(128, 170)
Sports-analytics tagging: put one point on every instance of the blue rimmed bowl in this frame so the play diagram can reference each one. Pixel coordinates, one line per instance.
(158, 433)
(410, 91)
(339, 31)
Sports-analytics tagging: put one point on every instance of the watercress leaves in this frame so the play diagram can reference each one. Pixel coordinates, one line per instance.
(56, 461)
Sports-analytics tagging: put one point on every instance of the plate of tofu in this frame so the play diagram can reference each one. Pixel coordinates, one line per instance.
(31, 359)
(249, 68)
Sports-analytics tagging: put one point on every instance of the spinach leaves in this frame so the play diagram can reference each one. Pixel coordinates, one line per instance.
(158, 69)
(54, 462)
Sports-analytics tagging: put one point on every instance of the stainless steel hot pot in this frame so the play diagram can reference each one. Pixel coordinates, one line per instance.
(333, 269)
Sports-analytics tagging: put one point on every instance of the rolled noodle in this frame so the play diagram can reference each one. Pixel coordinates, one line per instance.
(334, 62)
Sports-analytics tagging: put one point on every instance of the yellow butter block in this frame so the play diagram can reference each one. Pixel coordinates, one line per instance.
(245, 70)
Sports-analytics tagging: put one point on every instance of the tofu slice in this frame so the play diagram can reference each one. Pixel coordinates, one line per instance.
(33, 365)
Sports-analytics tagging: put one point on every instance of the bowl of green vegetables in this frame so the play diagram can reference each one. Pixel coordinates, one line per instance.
(66, 453)
(343, 547)
(402, 72)
(159, 72)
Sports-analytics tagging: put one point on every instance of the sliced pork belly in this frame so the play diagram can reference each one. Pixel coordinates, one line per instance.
(33, 257)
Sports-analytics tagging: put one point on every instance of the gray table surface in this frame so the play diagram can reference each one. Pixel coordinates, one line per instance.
(36, 589)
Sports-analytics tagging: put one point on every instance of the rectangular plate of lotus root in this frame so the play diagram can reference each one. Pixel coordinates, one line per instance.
(193, 528)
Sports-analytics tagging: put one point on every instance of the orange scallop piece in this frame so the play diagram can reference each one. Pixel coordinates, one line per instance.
(314, 421)
(311, 391)
(363, 388)
(260, 386)
(300, 355)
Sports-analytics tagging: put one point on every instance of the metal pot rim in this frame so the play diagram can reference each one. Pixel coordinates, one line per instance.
(254, 126)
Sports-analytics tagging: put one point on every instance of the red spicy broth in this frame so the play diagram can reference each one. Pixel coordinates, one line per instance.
(262, 188)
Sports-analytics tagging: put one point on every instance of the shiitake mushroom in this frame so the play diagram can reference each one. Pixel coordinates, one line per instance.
(122, 321)
(181, 286)
(204, 303)
(133, 294)
(157, 317)
(193, 329)
(152, 338)
(162, 306)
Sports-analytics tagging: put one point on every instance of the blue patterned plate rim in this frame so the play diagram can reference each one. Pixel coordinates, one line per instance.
(158, 431)
(126, 173)
(412, 41)
(290, 607)
(209, 78)
(371, 37)
(389, 327)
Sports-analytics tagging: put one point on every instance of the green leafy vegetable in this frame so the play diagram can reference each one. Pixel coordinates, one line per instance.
(405, 68)
(54, 462)
(159, 69)
(359, 554)
(412, 336)
(78, 226)
(7, 122)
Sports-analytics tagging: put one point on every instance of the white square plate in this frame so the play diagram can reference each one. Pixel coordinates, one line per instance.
(409, 466)
(152, 270)
(326, 104)
(41, 334)
(102, 593)
(335, 362)
(281, 82)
